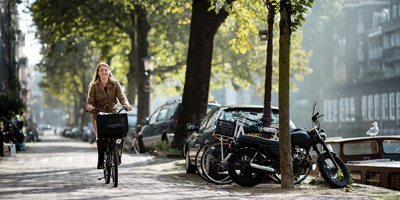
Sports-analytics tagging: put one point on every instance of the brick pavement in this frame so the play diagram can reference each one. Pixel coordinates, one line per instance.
(61, 168)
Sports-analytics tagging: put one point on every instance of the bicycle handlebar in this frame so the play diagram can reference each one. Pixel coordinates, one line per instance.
(97, 110)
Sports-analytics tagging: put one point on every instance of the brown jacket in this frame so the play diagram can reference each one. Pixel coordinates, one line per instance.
(97, 97)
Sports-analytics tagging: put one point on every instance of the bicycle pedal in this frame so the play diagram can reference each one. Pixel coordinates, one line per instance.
(100, 178)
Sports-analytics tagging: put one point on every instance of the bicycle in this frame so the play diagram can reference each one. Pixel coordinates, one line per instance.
(214, 154)
(113, 127)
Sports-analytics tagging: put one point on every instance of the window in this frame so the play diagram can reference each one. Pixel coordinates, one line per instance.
(392, 107)
(335, 111)
(370, 107)
(392, 40)
(360, 51)
(394, 13)
(356, 176)
(398, 105)
(364, 110)
(361, 148)
(373, 178)
(206, 118)
(352, 109)
(376, 106)
(385, 106)
(394, 180)
(343, 46)
(386, 41)
(329, 113)
(341, 108)
(213, 120)
(326, 110)
(391, 146)
(172, 110)
(347, 109)
(163, 114)
(154, 116)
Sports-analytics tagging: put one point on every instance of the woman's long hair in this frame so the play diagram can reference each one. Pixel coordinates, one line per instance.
(96, 77)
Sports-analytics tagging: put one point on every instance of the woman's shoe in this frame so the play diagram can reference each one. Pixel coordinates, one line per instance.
(100, 165)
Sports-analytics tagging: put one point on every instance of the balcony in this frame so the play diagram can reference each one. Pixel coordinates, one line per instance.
(391, 55)
(375, 53)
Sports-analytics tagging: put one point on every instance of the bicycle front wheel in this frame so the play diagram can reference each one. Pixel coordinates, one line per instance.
(214, 163)
(115, 162)
(107, 167)
(199, 155)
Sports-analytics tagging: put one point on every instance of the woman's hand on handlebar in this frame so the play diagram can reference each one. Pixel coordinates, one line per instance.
(128, 107)
(90, 110)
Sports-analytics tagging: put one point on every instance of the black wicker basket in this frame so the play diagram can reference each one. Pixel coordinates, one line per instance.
(112, 125)
(225, 128)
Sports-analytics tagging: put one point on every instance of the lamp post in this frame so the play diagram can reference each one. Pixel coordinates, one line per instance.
(268, 35)
(149, 63)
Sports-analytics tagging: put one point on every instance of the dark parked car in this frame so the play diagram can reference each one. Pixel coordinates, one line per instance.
(132, 130)
(160, 127)
(66, 132)
(88, 134)
(76, 132)
(204, 132)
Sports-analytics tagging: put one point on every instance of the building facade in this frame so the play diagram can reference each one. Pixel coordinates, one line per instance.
(368, 49)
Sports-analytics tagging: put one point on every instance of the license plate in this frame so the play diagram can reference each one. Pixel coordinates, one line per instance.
(253, 134)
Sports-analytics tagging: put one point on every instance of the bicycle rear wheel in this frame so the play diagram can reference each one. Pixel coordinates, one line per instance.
(114, 164)
(214, 163)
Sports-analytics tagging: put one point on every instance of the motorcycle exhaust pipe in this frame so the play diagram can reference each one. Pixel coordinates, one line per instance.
(265, 168)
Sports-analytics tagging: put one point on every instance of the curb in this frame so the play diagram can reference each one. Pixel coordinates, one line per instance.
(163, 154)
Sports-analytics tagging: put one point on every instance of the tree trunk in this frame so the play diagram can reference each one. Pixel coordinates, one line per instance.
(142, 29)
(131, 89)
(284, 81)
(203, 28)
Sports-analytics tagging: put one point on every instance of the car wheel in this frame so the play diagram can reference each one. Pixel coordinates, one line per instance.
(164, 139)
(184, 147)
(190, 169)
(138, 145)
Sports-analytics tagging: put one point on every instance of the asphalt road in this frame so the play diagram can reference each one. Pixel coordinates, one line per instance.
(61, 168)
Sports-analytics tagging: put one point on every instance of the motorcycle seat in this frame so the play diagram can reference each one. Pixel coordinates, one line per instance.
(260, 140)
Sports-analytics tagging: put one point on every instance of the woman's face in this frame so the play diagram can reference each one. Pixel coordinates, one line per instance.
(103, 72)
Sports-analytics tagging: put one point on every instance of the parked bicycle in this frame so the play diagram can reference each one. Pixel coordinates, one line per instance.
(212, 159)
(13, 133)
(112, 127)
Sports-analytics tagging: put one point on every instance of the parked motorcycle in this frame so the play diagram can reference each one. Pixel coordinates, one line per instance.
(254, 157)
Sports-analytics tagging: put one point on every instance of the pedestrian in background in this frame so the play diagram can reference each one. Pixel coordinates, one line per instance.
(104, 94)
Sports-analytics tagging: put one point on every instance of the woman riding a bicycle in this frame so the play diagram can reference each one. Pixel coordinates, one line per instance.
(104, 94)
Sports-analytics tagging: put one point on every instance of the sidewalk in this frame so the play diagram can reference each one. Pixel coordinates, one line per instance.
(60, 168)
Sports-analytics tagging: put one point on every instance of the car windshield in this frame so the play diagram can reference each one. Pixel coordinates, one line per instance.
(232, 115)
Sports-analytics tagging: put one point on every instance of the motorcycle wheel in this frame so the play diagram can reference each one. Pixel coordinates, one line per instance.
(240, 171)
(297, 178)
(337, 178)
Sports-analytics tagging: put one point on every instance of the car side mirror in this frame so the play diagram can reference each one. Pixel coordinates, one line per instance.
(144, 121)
(138, 129)
(191, 127)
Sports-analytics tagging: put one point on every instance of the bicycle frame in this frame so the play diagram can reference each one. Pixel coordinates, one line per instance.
(239, 122)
